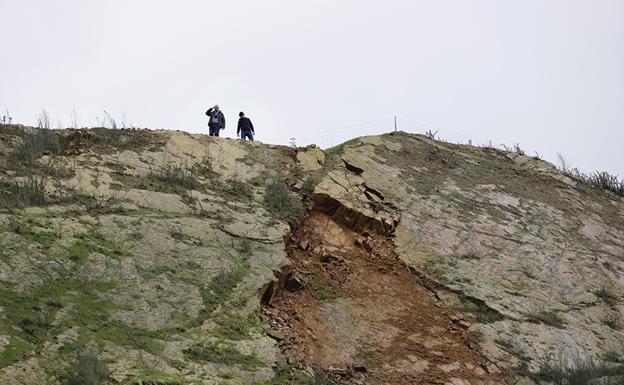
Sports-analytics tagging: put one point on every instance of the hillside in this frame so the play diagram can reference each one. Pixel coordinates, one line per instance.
(162, 257)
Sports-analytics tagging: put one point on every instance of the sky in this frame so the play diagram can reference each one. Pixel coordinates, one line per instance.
(547, 74)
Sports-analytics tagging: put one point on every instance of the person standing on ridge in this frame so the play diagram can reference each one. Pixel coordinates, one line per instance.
(245, 127)
(216, 121)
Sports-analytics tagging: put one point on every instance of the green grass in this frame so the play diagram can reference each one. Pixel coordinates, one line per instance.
(34, 143)
(170, 180)
(281, 202)
(481, 312)
(582, 372)
(87, 370)
(93, 241)
(312, 180)
(238, 189)
(150, 375)
(33, 311)
(231, 326)
(222, 353)
(16, 350)
(546, 317)
(322, 293)
(339, 149)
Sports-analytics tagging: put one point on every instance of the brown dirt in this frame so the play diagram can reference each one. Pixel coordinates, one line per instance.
(364, 317)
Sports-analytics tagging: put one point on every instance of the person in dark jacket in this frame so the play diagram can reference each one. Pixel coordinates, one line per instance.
(216, 122)
(245, 127)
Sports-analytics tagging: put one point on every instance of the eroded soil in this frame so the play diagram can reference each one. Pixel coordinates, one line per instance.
(348, 306)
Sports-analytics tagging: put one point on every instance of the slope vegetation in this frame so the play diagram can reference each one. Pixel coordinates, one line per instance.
(161, 257)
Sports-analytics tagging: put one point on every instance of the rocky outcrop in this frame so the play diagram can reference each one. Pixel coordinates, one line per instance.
(157, 252)
(535, 255)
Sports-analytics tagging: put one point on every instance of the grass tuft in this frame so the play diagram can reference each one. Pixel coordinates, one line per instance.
(546, 317)
(281, 202)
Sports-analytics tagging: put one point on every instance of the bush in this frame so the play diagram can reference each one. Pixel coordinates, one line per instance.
(221, 353)
(34, 145)
(177, 177)
(605, 181)
(547, 317)
(582, 372)
(481, 312)
(20, 194)
(238, 188)
(88, 370)
(607, 295)
(281, 202)
(119, 138)
(613, 319)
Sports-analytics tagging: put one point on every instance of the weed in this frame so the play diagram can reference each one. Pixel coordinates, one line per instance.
(605, 181)
(34, 144)
(14, 351)
(119, 138)
(311, 181)
(220, 288)
(88, 370)
(233, 327)
(322, 293)
(22, 193)
(546, 317)
(613, 356)
(518, 150)
(581, 372)
(482, 312)
(606, 294)
(179, 176)
(221, 353)
(339, 149)
(150, 375)
(281, 202)
(177, 234)
(507, 344)
(613, 319)
(55, 169)
(238, 188)
(245, 247)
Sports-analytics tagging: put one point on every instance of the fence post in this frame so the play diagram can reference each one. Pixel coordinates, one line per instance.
(395, 124)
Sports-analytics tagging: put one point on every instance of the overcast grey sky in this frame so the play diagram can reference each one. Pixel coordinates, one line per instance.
(548, 74)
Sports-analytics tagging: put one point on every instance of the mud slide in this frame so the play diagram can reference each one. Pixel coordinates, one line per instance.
(346, 307)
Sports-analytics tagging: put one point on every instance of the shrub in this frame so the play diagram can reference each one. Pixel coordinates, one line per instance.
(20, 194)
(546, 317)
(281, 202)
(613, 319)
(605, 181)
(238, 188)
(34, 145)
(221, 353)
(607, 295)
(581, 372)
(177, 177)
(88, 370)
(119, 138)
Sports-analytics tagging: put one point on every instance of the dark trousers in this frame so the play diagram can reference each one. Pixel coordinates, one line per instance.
(246, 134)
(213, 130)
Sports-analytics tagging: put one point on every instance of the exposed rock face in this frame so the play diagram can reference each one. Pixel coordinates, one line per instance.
(418, 261)
(159, 280)
(536, 255)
